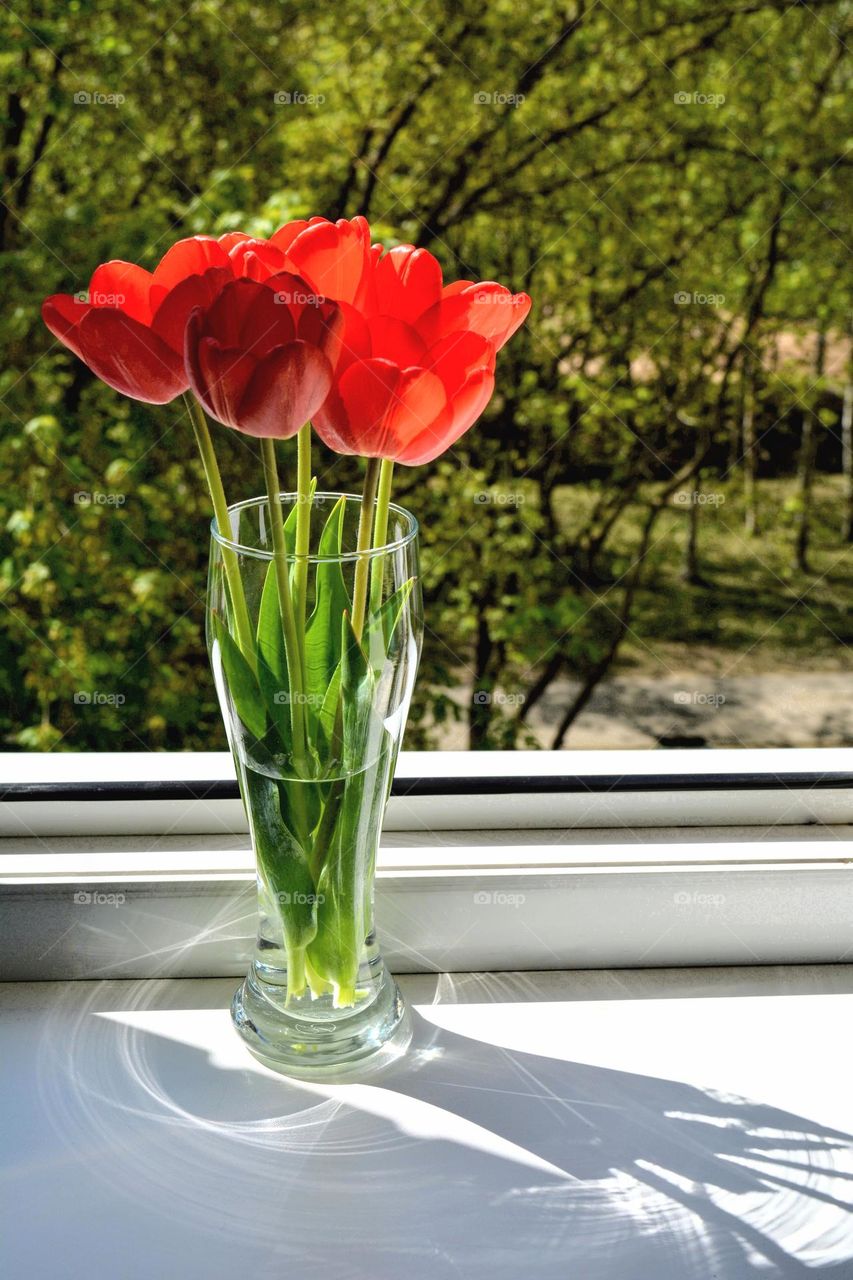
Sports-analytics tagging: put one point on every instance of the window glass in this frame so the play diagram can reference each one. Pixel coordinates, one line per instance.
(645, 541)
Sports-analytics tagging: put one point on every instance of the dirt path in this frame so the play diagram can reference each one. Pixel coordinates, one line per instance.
(688, 709)
(697, 710)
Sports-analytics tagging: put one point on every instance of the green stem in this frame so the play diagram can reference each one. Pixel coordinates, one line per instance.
(325, 829)
(380, 531)
(365, 529)
(303, 524)
(318, 984)
(295, 972)
(285, 604)
(245, 635)
(326, 826)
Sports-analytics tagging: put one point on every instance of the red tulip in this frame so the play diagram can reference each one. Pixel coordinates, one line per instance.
(260, 358)
(417, 362)
(332, 256)
(130, 332)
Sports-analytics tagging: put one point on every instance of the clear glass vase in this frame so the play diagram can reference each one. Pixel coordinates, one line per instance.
(315, 726)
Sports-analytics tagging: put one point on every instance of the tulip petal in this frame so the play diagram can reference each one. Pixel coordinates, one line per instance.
(286, 389)
(488, 309)
(250, 316)
(315, 320)
(408, 282)
(376, 407)
(322, 327)
(392, 339)
(170, 319)
(62, 313)
(129, 357)
(331, 256)
(284, 237)
(358, 400)
(228, 241)
(457, 286)
(294, 292)
(218, 375)
(463, 411)
(125, 286)
(454, 357)
(189, 257)
(350, 338)
(255, 259)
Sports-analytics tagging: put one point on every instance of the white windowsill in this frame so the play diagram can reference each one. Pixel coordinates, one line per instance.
(610, 1125)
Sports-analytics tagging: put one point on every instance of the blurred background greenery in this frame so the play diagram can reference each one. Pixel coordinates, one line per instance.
(660, 492)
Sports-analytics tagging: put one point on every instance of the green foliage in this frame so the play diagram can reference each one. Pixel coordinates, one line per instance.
(673, 243)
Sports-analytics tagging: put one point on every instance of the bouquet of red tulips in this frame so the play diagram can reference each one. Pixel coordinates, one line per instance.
(313, 601)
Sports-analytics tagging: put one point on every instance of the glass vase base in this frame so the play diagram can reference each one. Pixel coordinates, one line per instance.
(311, 1040)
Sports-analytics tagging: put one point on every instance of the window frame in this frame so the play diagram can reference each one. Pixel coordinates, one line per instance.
(99, 793)
(679, 859)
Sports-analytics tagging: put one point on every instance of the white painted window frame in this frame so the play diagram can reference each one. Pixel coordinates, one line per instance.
(138, 865)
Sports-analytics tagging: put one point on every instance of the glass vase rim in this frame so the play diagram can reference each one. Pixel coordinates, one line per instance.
(258, 553)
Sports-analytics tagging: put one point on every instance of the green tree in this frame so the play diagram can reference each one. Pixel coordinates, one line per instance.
(669, 183)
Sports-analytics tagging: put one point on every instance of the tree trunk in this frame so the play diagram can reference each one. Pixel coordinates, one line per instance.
(805, 470)
(805, 476)
(847, 462)
(690, 567)
(750, 451)
(847, 443)
(480, 714)
(736, 443)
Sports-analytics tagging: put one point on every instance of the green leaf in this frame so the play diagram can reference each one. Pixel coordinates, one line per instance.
(356, 694)
(323, 633)
(344, 883)
(284, 870)
(242, 685)
(348, 824)
(272, 661)
(330, 704)
(382, 624)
